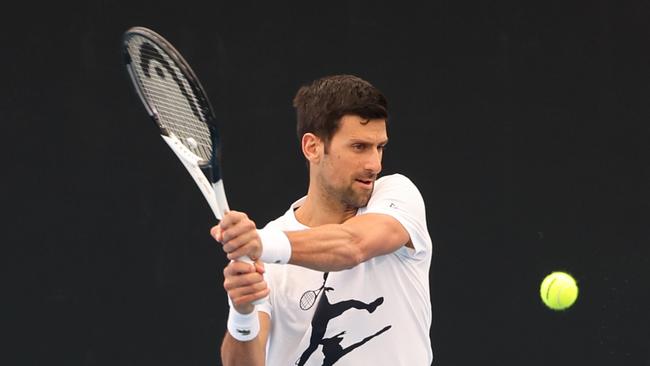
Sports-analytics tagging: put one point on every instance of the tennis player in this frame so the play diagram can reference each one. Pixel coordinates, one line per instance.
(343, 275)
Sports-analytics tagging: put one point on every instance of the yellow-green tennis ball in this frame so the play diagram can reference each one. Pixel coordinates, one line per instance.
(559, 290)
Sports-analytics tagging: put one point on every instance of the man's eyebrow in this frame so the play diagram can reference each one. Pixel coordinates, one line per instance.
(355, 140)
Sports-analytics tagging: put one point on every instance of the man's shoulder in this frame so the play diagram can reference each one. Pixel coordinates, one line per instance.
(288, 220)
(396, 191)
(394, 179)
(395, 183)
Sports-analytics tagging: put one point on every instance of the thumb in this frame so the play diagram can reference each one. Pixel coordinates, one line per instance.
(259, 267)
(217, 233)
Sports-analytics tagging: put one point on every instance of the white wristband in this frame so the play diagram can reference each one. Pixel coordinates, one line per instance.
(243, 327)
(276, 247)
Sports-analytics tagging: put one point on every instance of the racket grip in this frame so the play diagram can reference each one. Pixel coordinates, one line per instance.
(246, 259)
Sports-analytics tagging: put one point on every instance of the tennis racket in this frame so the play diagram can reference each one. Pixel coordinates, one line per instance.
(308, 298)
(177, 103)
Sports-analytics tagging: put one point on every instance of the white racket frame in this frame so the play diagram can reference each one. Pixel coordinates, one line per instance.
(213, 192)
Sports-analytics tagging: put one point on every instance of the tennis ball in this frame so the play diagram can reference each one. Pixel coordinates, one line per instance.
(559, 290)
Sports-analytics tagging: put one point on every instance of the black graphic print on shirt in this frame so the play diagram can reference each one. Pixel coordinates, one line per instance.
(326, 311)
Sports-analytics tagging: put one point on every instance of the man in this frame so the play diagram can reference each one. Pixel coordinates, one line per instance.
(346, 279)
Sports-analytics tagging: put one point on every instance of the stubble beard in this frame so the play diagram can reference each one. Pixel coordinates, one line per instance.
(348, 197)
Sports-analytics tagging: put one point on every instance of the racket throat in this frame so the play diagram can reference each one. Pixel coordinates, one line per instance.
(212, 191)
(207, 171)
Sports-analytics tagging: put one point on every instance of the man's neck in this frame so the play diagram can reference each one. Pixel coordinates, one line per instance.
(319, 210)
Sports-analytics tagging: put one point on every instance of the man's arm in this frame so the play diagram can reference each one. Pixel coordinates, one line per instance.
(332, 247)
(341, 246)
(253, 352)
(245, 283)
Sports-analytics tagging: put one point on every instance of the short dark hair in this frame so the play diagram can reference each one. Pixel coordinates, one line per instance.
(321, 104)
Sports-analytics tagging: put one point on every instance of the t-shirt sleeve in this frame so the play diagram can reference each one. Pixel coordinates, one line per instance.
(398, 197)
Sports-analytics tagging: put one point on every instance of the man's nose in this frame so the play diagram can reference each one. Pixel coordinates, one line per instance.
(373, 163)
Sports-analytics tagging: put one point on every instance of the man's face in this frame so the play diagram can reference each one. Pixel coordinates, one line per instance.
(348, 170)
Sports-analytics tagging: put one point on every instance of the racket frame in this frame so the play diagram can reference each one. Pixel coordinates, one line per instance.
(213, 192)
(206, 174)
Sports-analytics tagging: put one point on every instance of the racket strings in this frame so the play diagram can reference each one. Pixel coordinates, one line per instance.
(166, 88)
(173, 106)
(307, 300)
(171, 96)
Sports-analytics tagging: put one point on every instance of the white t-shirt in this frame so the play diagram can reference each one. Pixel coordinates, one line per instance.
(377, 313)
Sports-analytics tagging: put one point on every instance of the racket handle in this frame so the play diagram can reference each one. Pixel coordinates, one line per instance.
(246, 259)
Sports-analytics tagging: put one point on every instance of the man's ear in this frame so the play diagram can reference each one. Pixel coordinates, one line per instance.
(312, 147)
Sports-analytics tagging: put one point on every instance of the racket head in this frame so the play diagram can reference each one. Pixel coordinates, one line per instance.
(173, 96)
(308, 299)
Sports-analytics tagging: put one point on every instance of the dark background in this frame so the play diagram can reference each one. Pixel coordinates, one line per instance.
(523, 123)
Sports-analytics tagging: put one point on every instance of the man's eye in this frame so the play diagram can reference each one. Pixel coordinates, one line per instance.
(358, 146)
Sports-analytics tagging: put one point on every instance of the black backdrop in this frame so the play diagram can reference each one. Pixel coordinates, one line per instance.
(523, 123)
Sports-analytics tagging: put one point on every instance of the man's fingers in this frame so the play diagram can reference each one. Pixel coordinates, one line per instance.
(216, 233)
(259, 267)
(244, 287)
(241, 274)
(243, 280)
(249, 298)
(241, 227)
(237, 268)
(249, 250)
(231, 218)
(245, 238)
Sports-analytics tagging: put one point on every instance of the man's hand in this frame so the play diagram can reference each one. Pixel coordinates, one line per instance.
(245, 283)
(238, 236)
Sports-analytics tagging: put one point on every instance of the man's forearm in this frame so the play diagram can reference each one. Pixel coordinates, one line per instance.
(236, 353)
(337, 247)
(326, 248)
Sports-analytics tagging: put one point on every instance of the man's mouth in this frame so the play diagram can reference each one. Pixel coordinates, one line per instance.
(366, 182)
